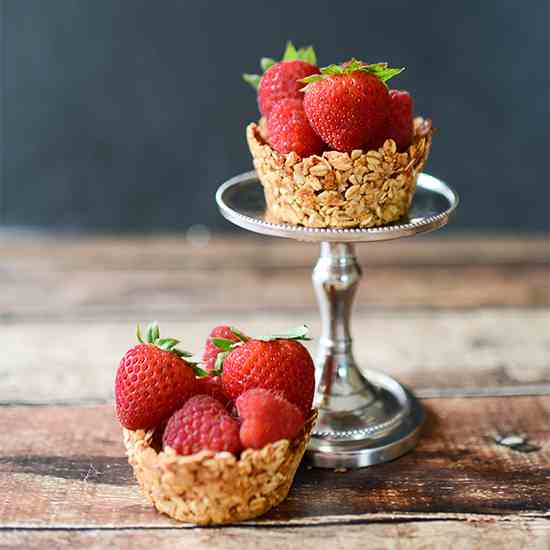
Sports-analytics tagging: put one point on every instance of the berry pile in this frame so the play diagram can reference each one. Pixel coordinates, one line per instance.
(339, 107)
(246, 393)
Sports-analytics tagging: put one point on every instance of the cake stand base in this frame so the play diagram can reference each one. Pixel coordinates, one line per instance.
(365, 417)
(383, 430)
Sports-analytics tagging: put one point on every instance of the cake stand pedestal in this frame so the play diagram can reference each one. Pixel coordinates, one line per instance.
(365, 416)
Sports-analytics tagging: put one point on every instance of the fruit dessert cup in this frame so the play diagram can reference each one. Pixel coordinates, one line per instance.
(220, 442)
(335, 147)
(215, 488)
(335, 189)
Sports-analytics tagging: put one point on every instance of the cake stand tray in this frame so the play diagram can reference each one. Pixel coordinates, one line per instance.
(365, 416)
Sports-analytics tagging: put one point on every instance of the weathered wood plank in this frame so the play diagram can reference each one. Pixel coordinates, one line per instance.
(406, 536)
(435, 352)
(99, 293)
(102, 278)
(38, 250)
(66, 468)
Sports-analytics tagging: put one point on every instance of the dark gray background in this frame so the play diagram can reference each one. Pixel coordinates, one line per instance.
(126, 115)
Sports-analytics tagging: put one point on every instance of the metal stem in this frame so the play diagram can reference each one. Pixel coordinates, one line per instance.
(341, 388)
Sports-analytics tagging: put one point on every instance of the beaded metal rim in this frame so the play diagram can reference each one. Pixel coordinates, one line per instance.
(419, 224)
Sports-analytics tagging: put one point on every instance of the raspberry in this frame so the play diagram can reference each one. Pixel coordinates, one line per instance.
(202, 424)
(266, 418)
(289, 129)
(400, 118)
(281, 81)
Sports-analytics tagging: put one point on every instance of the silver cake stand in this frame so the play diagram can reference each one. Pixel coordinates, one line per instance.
(365, 416)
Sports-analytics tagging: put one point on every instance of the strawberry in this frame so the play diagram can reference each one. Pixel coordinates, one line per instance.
(211, 351)
(202, 424)
(289, 129)
(152, 381)
(281, 79)
(278, 363)
(212, 386)
(266, 418)
(400, 118)
(347, 105)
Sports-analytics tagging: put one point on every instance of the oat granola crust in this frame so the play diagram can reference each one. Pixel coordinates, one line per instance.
(357, 189)
(215, 488)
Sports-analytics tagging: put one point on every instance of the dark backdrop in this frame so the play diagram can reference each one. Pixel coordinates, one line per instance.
(126, 115)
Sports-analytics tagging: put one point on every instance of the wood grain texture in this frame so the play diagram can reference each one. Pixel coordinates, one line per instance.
(448, 316)
(414, 535)
(437, 352)
(70, 279)
(66, 468)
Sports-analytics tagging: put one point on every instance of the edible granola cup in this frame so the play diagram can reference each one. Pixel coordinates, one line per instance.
(357, 189)
(215, 488)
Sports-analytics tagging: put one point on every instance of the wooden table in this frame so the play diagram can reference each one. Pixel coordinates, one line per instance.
(464, 321)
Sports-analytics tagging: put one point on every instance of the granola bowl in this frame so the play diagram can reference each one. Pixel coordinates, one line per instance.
(357, 189)
(215, 488)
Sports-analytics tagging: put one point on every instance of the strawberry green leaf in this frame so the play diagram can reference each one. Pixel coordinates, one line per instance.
(266, 62)
(252, 79)
(166, 343)
(240, 335)
(201, 373)
(383, 72)
(223, 344)
(180, 353)
(184, 354)
(218, 366)
(308, 55)
(379, 70)
(298, 333)
(153, 332)
(291, 54)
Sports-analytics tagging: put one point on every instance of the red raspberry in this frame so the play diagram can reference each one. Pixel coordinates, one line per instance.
(266, 418)
(289, 129)
(202, 424)
(400, 118)
(210, 350)
(212, 386)
(281, 81)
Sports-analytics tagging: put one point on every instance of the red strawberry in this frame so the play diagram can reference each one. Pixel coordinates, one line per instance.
(289, 129)
(212, 386)
(211, 351)
(152, 381)
(400, 118)
(202, 424)
(347, 105)
(266, 418)
(282, 81)
(280, 364)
